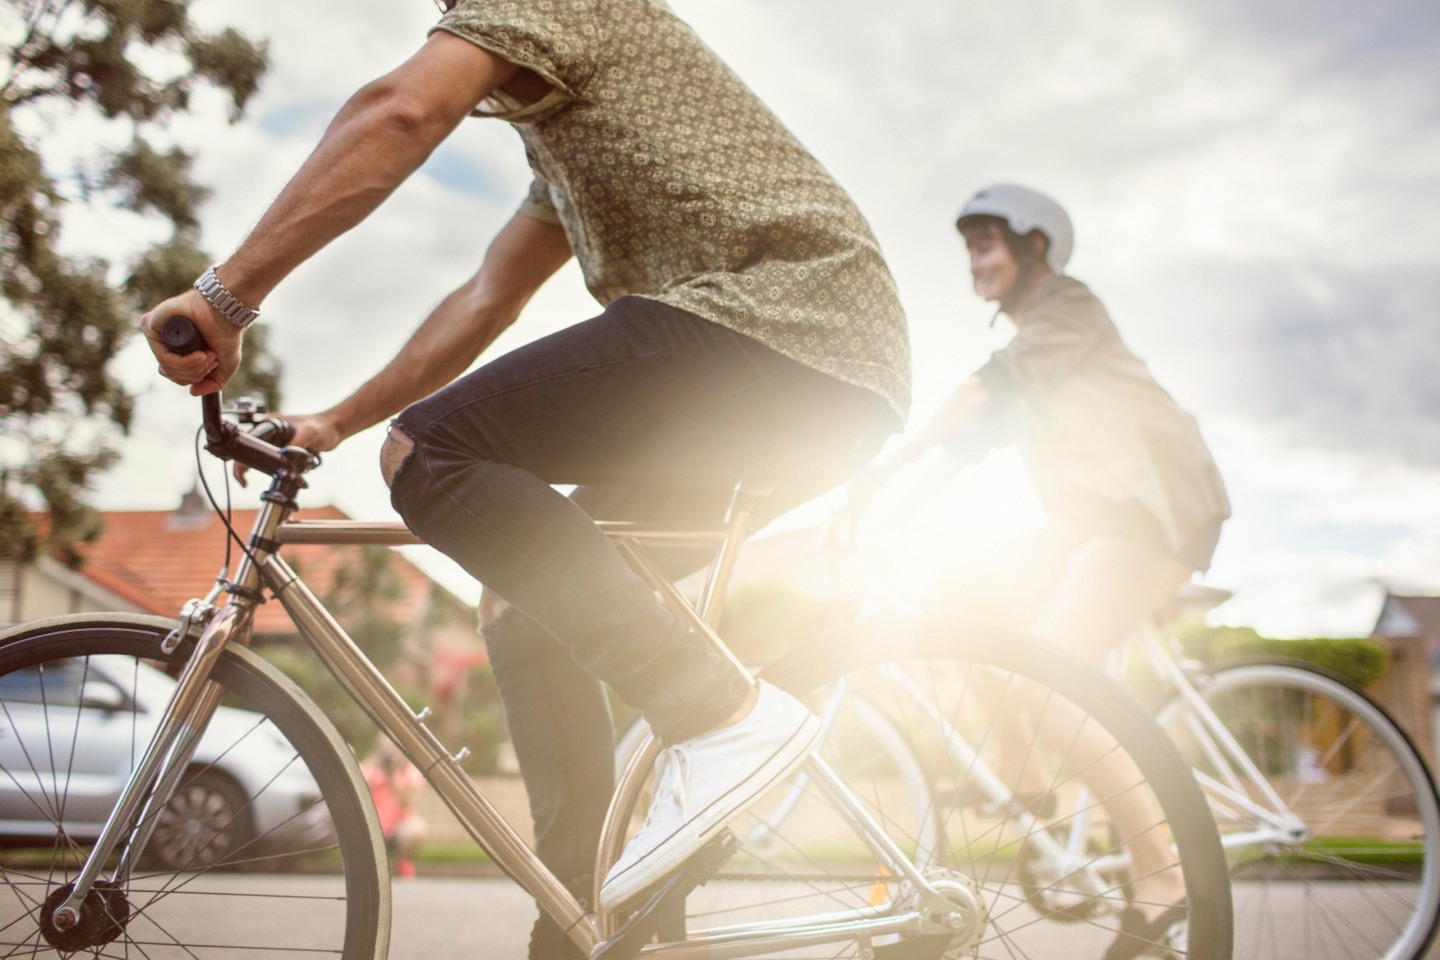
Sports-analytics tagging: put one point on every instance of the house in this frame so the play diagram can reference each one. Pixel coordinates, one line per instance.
(1409, 626)
(149, 561)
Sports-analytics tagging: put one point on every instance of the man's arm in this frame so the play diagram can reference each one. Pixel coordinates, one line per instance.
(380, 137)
(522, 256)
(962, 410)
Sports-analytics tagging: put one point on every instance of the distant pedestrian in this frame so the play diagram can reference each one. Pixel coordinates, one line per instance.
(395, 784)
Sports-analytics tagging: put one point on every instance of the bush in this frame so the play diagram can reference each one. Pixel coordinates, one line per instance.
(480, 726)
(1359, 660)
(764, 621)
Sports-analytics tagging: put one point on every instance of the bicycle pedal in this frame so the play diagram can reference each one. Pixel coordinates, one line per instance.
(663, 907)
(707, 861)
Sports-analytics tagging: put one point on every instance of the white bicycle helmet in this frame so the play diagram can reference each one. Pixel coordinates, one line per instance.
(1024, 210)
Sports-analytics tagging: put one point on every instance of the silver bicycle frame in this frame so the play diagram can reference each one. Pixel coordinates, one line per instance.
(1274, 822)
(195, 699)
(489, 829)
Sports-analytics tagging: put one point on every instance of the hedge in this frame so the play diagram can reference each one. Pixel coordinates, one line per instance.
(1358, 659)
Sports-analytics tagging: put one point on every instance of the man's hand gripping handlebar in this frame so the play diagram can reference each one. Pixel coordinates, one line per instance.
(262, 448)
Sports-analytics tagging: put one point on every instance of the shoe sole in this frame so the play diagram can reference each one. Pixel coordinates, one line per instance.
(674, 850)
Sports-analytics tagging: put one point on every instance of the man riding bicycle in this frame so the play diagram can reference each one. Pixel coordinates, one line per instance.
(750, 330)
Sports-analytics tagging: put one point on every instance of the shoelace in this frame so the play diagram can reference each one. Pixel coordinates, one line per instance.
(672, 774)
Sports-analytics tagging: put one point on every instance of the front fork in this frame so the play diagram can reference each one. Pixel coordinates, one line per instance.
(159, 771)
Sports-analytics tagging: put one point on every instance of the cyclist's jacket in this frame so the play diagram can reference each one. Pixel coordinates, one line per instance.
(1098, 435)
(673, 181)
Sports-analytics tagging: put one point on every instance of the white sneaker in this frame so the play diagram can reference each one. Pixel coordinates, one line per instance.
(703, 783)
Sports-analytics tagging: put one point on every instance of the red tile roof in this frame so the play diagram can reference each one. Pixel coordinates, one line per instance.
(159, 559)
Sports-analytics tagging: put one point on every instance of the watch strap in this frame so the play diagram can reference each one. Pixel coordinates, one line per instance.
(224, 302)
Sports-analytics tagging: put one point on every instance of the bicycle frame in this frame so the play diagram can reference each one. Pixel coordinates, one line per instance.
(195, 699)
(1061, 859)
(1274, 823)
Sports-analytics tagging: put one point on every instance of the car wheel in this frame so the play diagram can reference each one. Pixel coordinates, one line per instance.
(205, 824)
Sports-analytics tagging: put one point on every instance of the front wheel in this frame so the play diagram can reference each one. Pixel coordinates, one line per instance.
(1329, 816)
(269, 843)
(1054, 803)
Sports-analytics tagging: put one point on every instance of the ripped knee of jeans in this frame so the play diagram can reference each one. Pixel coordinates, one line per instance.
(492, 605)
(394, 452)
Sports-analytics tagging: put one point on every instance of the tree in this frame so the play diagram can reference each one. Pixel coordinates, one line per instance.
(363, 596)
(114, 70)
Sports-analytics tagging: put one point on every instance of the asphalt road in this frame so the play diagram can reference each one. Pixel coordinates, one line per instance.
(439, 918)
(450, 918)
(489, 919)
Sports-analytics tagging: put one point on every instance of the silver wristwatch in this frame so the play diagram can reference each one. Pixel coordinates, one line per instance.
(223, 300)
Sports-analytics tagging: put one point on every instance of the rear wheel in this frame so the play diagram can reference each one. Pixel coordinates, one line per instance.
(1358, 874)
(268, 844)
(1046, 870)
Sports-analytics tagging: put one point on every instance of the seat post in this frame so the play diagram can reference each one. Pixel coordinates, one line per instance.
(736, 527)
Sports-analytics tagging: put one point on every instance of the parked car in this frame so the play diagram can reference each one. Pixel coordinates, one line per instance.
(69, 742)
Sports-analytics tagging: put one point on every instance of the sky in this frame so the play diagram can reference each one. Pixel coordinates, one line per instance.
(1254, 187)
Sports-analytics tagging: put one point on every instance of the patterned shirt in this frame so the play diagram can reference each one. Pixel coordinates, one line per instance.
(674, 182)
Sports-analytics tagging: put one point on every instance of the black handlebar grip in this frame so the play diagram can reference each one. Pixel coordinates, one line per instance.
(180, 335)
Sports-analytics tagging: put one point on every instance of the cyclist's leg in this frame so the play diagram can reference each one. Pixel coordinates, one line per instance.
(651, 397)
(1084, 593)
(559, 716)
(560, 725)
(1110, 585)
(643, 395)
(1010, 585)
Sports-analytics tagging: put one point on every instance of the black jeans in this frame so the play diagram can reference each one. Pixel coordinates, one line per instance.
(655, 414)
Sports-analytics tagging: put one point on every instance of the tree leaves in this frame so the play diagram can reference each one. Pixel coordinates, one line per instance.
(130, 65)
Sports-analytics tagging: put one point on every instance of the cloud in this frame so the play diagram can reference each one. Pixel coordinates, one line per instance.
(1321, 355)
(1253, 187)
(1379, 48)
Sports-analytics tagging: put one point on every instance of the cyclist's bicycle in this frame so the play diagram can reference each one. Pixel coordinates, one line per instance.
(857, 871)
(1328, 814)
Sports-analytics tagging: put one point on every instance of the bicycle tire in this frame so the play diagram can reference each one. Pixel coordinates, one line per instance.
(1365, 879)
(302, 794)
(976, 862)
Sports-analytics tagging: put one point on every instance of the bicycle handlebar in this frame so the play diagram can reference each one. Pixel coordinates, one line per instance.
(261, 448)
(180, 335)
